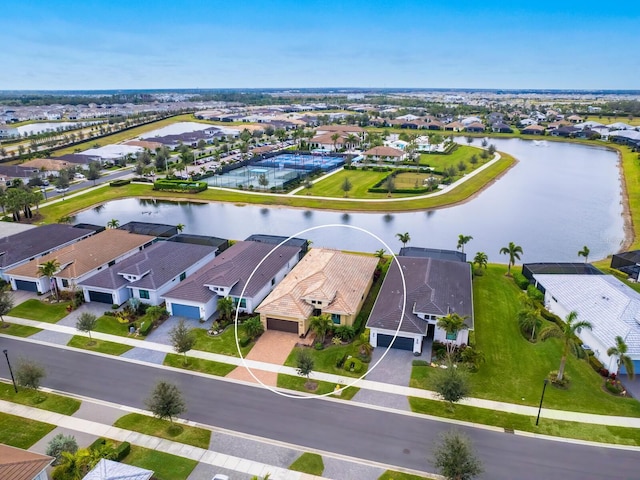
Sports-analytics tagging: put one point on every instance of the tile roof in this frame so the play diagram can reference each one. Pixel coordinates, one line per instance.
(609, 305)
(328, 275)
(384, 152)
(159, 263)
(19, 464)
(36, 241)
(110, 470)
(232, 268)
(86, 255)
(434, 287)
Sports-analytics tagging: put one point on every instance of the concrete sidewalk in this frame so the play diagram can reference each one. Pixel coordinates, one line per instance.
(617, 421)
(200, 455)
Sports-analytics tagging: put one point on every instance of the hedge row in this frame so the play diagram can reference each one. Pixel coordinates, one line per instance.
(119, 183)
(180, 186)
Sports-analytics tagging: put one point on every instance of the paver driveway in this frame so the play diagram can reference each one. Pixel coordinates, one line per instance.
(272, 347)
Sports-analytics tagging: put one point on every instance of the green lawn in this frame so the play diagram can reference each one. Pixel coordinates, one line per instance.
(511, 421)
(34, 309)
(198, 437)
(164, 465)
(391, 475)
(39, 399)
(224, 344)
(102, 346)
(515, 369)
(310, 463)
(325, 360)
(18, 330)
(199, 365)
(462, 153)
(110, 325)
(361, 181)
(21, 432)
(292, 382)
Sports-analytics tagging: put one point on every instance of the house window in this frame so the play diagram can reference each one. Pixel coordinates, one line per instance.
(452, 335)
(65, 282)
(273, 281)
(335, 318)
(243, 303)
(144, 294)
(112, 263)
(183, 275)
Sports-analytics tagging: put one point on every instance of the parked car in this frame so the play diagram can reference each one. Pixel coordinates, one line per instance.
(62, 190)
(219, 476)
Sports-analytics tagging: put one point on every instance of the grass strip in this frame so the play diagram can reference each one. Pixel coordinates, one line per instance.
(164, 465)
(21, 432)
(310, 463)
(292, 382)
(102, 346)
(17, 330)
(39, 399)
(199, 365)
(198, 437)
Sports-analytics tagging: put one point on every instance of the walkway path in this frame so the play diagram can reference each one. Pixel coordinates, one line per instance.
(610, 420)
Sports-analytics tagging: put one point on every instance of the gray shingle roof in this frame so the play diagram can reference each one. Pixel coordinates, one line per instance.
(163, 261)
(36, 241)
(434, 287)
(232, 268)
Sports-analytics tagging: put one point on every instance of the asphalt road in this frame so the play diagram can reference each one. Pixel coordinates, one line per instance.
(345, 429)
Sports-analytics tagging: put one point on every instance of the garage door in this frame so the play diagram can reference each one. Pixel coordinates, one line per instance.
(636, 368)
(188, 311)
(28, 286)
(401, 343)
(100, 297)
(282, 325)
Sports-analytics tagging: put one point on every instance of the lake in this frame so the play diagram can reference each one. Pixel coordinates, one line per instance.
(557, 198)
(32, 128)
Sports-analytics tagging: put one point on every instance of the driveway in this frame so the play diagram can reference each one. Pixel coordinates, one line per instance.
(94, 308)
(272, 347)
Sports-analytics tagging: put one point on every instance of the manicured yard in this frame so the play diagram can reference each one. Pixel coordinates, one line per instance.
(18, 330)
(297, 383)
(198, 365)
(224, 344)
(45, 401)
(102, 346)
(511, 421)
(310, 463)
(21, 432)
(462, 153)
(361, 181)
(108, 324)
(164, 465)
(391, 475)
(198, 437)
(515, 369)
(34, 309)
(412, 179)
(325, 360)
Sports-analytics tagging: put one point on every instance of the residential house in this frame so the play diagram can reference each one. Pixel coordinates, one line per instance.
(246, 272)
(533, 130)
(324, 282)
(628, 263)
(626, 137)
(110, 470)
(475, 127)
(470, 120)
(434, 289)
(160, 230)
(47, 166)
(7, 131)
(148, 274)
(527, 122)
(23, 247)
(19, 464)
(13, 172)
(385, 154)
(612, 308)
(78, 261)
(110, 154)
(454, 127)
(565, 131)
(575, 118)
(436, 253)
(501, 127)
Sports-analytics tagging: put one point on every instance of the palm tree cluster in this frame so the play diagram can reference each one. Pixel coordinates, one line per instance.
(18, 201)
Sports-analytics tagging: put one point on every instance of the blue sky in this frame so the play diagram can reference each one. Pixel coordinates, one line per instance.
(96, 44)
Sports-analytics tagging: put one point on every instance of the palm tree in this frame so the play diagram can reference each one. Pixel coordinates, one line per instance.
(335, 138)
(514, 252)
(321, 325)
(584, 253)
(481, 260)
(452, 324)
(529, 316)
(226, 308)
(404, 238)
(568, 335)
(49, 269)
(380, 254)
(620, 351)
(113, 223)
(180, 227)
(462, 241)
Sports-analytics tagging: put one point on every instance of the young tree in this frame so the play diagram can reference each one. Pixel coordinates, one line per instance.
(451, 383)
(253, 327)
(182, 338)
(94, 172)
(404, 238)
(49, 269)
(29, 374)
(620, 351)
(462, 241)
(86, 323)
(568, 336)
(529, 317)
(481, 260)
(514, 252)
(6, 303)
(346, 186)
(113, 223)
(61, 443)
(166, 401)
(455, 459)
(305, 366)
(263, 181)
(584, 253)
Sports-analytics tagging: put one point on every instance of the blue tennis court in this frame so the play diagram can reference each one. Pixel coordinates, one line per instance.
(302, 161)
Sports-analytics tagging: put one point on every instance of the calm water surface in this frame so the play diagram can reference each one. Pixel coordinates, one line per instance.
(559, 197)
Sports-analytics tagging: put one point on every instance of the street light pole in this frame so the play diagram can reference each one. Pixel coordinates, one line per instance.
(546, 380)
(6, 354)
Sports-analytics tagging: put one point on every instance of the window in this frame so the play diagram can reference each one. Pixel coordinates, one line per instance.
(112, 263)
(452, 335)
(65, 282)
(144, 294)
(243, 303)
(183, 275)
(335, 318)
(273, 281)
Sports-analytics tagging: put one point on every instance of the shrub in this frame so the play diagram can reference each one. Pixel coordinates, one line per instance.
(61, 443)
(244, 341)
(614, 386)
(438, 350)
(353, 365)
(318, 346)
(552, 317)
(119, 183)
(595, 363)
(97, 443)
(122, 451)
(113, 307)
(179, 186)
(420, 363)
(346, 333)
(341, 360)
(534, 293)
(145, 327)
(520, 280)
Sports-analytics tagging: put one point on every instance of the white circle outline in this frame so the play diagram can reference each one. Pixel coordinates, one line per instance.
(395, 334)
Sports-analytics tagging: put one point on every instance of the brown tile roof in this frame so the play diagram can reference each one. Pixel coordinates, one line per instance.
(86, 255)
(340, 128)
(338, 278)
(326, 138)
(46, 163)
(454, 125)
(144, 144)
(384, 152)
(18, 464)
